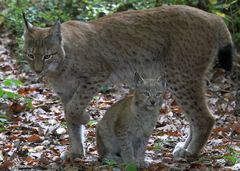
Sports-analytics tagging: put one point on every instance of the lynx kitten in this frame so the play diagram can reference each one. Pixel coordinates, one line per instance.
(123, 133)
(180, 41)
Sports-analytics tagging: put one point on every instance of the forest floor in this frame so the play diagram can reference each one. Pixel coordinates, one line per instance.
(35, 138)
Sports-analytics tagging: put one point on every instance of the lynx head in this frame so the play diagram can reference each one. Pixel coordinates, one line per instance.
(148, 93)
(43, 47)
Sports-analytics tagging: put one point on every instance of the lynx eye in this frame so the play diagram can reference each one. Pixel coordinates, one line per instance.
(30, 56)
(145, 93)
(46, 57)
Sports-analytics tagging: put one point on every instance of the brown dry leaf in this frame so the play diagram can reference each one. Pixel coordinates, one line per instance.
(219, 147)
(174, 103)
(164, 110)
(174, 133)
(64, 141)
(91, 133)
(156, 167)
(218, 129)
(26, 90)
(14, 137)
(177, 109)
(236, 128)
(5, 68)
(5, 165)
(31, 161)
(34, 138)
(17, 107)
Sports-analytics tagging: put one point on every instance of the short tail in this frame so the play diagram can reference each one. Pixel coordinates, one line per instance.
(225, 57)
(226, 48)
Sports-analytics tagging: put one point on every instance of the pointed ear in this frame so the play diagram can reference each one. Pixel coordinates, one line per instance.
(27, 26)
(138, 80)
(55, 32)
(162, 82)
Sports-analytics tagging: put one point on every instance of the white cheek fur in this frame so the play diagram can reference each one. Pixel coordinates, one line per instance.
(53, 67)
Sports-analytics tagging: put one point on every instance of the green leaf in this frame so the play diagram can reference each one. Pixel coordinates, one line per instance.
(131, 167)
(213, 1)
(3, 122)
(28, 102)
(3, 116)
(233, 159)
(1, 92)
(9, 82)
(220, 14)
(2, 19)
(10, 95)
(110, 162)
(157, 146)
(91, 123)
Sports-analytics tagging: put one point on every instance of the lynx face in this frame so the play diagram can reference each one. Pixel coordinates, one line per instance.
(148, 94)
(43, 49)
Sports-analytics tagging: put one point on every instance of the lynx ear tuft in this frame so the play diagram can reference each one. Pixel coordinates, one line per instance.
(28, 26)
(138, 80)
(55, 32)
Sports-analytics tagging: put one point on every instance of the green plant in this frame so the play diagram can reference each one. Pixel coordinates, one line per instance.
(158, 146)
(233, 156)
(131, 167)
(3, 122)
(7, 93)
(110, 162)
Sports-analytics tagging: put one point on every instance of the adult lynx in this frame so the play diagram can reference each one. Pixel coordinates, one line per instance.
(179, 41)
(123, 133)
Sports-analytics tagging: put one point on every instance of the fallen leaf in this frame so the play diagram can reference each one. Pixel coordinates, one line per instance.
(34, 138)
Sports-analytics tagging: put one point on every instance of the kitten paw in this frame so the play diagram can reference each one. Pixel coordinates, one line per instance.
(144, 164)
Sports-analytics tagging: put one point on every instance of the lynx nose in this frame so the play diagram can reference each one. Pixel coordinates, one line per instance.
(152, 102)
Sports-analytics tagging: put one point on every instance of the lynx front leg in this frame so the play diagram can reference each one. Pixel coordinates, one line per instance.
(76, 116)
(139, 149)
(76, 137)
(127, 150)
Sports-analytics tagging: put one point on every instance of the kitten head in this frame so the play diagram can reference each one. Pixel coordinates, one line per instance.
(43, 48)
(148, 93)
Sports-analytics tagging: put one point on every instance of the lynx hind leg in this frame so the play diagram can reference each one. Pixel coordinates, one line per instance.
(191, 98)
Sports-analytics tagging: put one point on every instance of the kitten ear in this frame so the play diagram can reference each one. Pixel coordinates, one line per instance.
(55, 32)
(27, 26)
(162, 82)
(138, 80)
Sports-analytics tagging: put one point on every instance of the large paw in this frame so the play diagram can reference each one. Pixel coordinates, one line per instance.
(181, 153)
(67, 155)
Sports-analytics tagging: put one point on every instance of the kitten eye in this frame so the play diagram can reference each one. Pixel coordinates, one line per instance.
(30, 56)
(146, 94)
